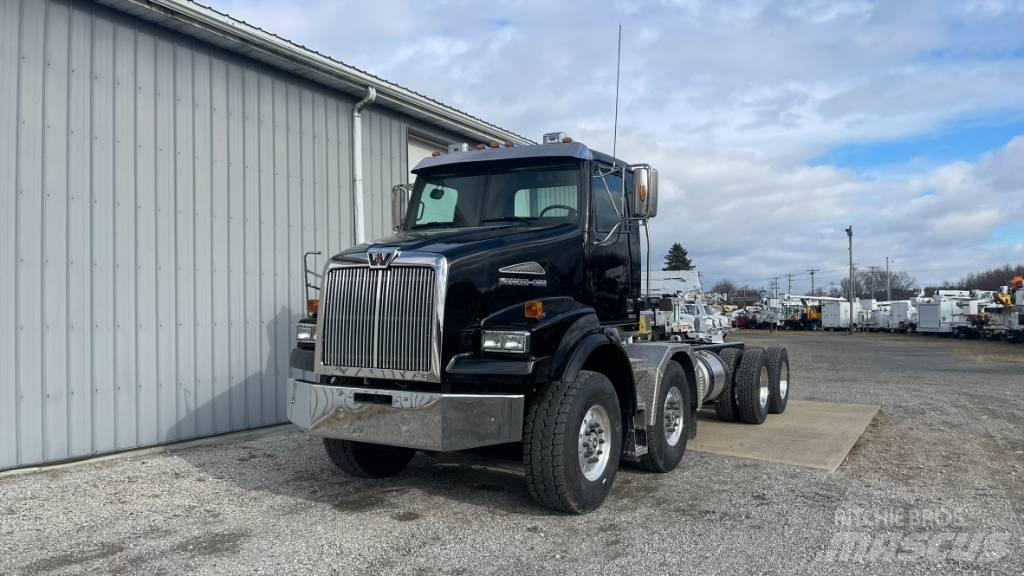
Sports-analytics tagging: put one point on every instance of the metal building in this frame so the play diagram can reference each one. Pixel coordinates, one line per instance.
(162, 169)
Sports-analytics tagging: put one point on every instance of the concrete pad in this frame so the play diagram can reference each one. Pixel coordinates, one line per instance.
(811, 434)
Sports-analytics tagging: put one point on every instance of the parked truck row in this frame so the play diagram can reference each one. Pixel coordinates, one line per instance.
(997, 314)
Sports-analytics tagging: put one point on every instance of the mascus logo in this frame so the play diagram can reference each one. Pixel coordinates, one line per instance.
(381, 258)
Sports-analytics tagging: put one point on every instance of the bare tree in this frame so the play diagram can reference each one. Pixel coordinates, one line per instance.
(724, 287)
(986, 280)
(872, 284)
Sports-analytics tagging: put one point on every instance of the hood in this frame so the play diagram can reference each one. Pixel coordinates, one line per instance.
(491, 268)
(463, 243)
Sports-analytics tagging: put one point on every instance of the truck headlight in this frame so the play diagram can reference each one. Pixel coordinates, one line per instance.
(494, 341)
(305, 333)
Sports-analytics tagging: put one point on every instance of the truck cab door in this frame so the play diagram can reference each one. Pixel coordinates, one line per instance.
(609, 254)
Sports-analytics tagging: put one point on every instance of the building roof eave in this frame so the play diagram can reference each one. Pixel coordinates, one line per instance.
(217, 28)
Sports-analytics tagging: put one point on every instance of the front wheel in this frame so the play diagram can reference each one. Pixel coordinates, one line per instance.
(572, 441)
(666, 442)
(364, 460)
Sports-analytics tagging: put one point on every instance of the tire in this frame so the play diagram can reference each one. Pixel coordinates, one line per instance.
(778, 387)
(666, 441)
(364, 460)
(752, 386)
(552, 439)
(725, 407)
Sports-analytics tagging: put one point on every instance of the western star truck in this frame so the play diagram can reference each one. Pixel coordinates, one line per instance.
(506, 309)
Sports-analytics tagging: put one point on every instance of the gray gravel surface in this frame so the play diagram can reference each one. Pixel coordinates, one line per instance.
(936, 485)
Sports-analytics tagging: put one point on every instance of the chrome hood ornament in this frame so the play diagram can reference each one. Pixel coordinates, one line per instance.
(379, 258)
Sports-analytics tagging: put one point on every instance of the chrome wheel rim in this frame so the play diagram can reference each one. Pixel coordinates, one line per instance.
(784, 383)
(764, 387)
(594, 447)
(673, 412)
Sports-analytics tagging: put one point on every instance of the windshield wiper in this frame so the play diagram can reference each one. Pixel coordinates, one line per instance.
(522, 219)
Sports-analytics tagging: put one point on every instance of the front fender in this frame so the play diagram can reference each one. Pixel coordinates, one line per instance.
(586, 345)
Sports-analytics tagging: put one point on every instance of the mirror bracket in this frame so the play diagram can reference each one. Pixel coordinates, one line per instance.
(400, 196)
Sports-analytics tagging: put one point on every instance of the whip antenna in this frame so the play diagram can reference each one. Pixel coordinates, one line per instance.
(618, 68)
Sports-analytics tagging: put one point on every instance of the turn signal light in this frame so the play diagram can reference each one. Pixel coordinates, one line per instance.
(312, 306)
(643, 192)
(534, 309)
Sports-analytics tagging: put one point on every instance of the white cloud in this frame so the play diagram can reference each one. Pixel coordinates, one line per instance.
(730, 101)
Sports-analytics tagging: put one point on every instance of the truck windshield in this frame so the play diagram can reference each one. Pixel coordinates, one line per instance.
(529, 196)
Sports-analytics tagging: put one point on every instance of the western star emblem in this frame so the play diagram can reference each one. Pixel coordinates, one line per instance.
(381, 257)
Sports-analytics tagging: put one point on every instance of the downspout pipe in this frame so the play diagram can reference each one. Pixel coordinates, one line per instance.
(357, 164)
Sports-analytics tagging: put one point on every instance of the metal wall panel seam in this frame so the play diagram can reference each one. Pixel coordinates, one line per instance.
(42, 230)
(76, 288)
(100, 345)
(135, 227)
(202, 339)
(18, 191)
(91, 222)
(67, 249)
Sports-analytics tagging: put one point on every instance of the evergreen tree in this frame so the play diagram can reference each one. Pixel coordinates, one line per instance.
(676, 259)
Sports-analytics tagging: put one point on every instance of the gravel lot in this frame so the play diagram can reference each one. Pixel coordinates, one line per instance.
(935, 485)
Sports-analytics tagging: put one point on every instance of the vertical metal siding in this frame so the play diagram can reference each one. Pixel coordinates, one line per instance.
(156, 195)
(10, 60)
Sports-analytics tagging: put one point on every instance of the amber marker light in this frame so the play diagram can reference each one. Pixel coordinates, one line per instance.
(534, 309)
(312, 306)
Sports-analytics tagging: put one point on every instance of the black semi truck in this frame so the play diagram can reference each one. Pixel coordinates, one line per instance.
(507, 308)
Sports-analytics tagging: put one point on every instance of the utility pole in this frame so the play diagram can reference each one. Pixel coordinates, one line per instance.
(775, 286)
(812, 271)
(789, 283)
(888, 281)
(849, 235)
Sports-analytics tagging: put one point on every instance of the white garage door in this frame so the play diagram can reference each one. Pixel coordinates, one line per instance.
(418, 150)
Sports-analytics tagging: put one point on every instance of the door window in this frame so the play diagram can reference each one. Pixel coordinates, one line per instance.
(607, 195)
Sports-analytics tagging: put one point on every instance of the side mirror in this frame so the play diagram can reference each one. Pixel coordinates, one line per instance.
(399, 205)
(645, 191)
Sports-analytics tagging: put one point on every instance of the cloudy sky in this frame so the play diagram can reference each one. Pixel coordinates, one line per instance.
(773, 124)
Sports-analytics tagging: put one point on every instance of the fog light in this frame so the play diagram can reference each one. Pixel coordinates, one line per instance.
(491, 341)
(305, 333)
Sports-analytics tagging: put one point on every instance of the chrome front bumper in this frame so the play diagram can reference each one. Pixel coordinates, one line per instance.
(421, 420)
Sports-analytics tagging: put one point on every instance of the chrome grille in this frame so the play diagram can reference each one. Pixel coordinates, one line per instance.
(379, 318)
